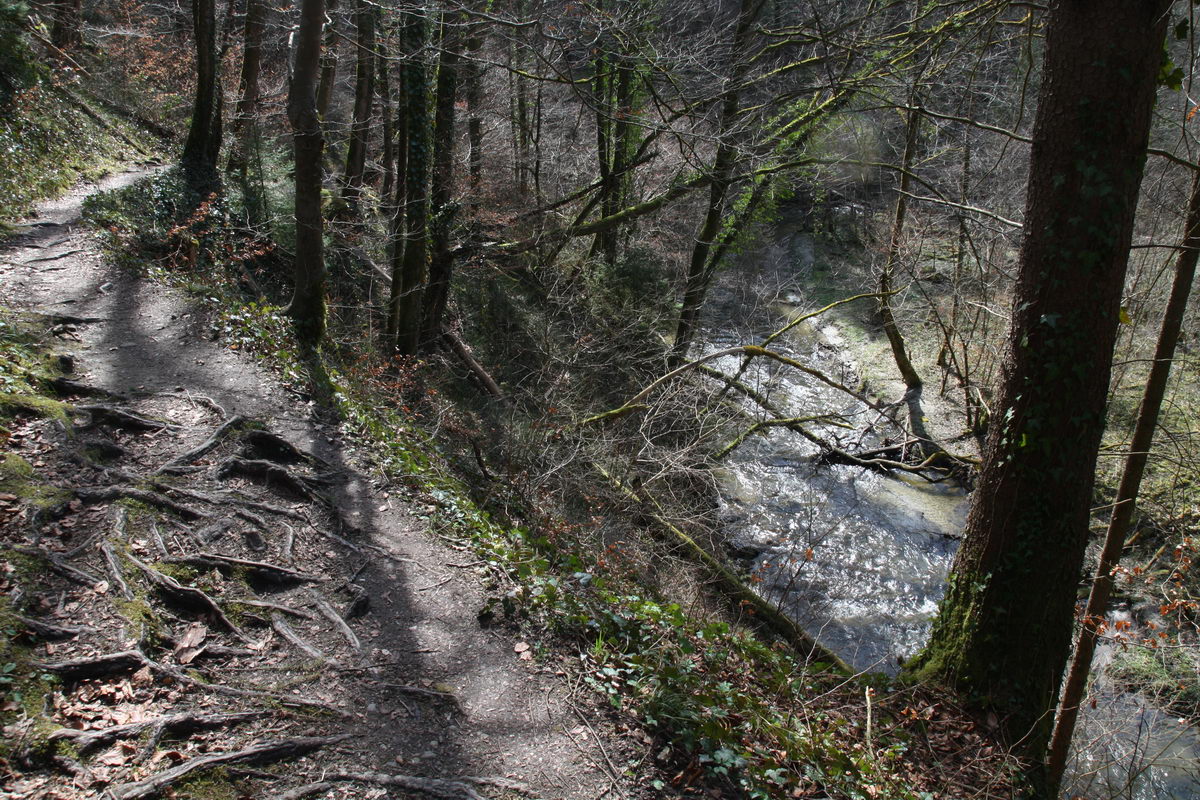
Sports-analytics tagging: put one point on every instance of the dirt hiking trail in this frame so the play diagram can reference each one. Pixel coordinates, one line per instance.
(225, 596)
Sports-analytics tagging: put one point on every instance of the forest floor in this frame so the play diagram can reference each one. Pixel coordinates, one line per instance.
(217, 599)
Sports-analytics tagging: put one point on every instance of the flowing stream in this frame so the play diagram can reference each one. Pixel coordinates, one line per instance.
(860, 558)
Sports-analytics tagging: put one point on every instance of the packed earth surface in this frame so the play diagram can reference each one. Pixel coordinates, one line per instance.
(223, 601)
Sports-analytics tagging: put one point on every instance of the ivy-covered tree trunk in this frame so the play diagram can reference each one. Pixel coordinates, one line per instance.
(204, 135)
(441, 264)
(408, 281)
(1004, 630)
(245, 118)
(364, 91)
(307, 308)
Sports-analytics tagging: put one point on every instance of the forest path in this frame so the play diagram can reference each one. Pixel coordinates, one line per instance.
(354, 620)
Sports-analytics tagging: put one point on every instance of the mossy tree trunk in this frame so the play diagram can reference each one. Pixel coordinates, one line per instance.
(307, 308)
(1004, 629)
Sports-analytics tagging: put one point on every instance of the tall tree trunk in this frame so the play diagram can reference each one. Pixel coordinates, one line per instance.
(244, 131)
(364, 92)
(329, 58)
(442, 262)
(605, 242)
(1131, 481)
(388, 154)
(406, 301)
(699, 273)
(307, 308)
(1004, 629)
(204, 135)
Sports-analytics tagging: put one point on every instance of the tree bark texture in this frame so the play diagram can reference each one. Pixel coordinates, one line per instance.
(1004, 629)
(388, 133)
(307, 308)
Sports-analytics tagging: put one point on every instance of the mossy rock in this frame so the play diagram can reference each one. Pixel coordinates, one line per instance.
(35, 404)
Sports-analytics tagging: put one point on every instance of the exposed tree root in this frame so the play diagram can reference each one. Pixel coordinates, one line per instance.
(283, 629)
(330, 614)
(188, 597)
(267, 446)
(271, 474)
(50, 631)
(58, 566)
(295, 612)
(260, 753)
(176, 723)
(104, 494)
(288, 700)
(68, 387)
(272, 573)
(210, 444)
(78, 669)
(114, 570)
(446, 788)
(117, 418)
(213, 531)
